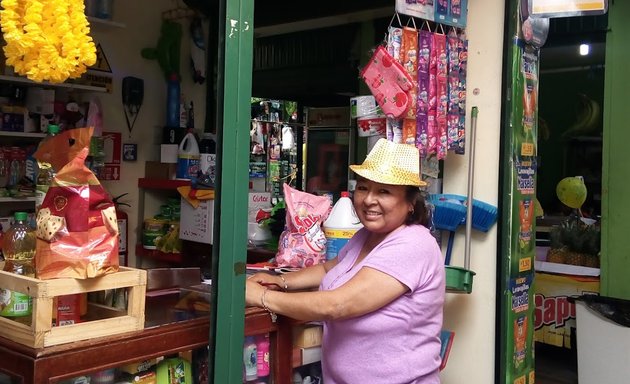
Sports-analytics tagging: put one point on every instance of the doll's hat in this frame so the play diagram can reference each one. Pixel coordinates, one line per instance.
(390, 163)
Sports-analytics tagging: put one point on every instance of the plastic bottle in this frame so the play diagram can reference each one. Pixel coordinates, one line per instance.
(340, 226)
(249, 358)
(18, 246)
(262, 356)
(46, 172)
(188, 157)
(208, 155)
(173, 94)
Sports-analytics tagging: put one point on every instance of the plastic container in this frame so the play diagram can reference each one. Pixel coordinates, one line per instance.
(173, 94)
(249, 358)
(262, 356)
(340, 226)
(45, 172)
(208, 155)
(18, 247)
(188, 157)
(174, 369)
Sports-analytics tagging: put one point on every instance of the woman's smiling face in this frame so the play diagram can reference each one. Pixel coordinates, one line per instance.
(381, 208)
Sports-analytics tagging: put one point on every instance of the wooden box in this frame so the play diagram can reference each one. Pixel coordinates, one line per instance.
(100, 320)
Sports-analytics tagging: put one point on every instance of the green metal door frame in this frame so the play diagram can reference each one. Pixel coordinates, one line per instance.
(234, 84)
(615, 258)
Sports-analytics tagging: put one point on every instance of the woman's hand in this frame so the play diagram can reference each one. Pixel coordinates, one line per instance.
(253, 293)
(273, 282)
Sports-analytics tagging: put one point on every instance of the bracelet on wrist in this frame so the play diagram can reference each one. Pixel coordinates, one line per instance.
(284, 282)
(274, 317)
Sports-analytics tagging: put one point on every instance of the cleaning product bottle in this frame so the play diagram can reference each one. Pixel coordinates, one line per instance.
(249, 358)
(188, 157)
(18, 247)
(45, 173)
(173, 94)
(208, 155)
(340, 226)
(262, 356)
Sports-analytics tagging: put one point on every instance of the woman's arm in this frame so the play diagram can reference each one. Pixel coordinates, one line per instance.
(367, 291)
(306, 278)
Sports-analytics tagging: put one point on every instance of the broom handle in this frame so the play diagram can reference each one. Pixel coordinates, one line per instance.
(471, 173)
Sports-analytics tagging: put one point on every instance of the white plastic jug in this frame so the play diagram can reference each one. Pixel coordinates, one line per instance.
(188, 157)
(340, 226)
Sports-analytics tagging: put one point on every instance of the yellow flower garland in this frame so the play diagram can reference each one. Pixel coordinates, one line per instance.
(47, 40)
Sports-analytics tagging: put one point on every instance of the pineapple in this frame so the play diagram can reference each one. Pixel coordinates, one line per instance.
(573, 237)
(592, 241)
(557, 250)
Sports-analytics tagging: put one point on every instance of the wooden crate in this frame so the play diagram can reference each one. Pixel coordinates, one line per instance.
(109, 321)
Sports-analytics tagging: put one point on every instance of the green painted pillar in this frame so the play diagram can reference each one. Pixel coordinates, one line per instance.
(234, 84)
(615, 256)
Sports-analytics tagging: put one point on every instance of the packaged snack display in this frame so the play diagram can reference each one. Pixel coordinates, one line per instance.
(77, 230)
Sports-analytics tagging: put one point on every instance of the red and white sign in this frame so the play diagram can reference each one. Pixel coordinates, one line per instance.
(112, 146)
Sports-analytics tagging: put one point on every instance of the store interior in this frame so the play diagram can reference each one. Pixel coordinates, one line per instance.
(309, 53)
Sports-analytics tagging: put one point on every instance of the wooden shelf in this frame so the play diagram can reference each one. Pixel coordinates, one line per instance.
(154, 254)
(24, 80)
(162, 183)
(34, 135)
(95, 21)
(28, 199)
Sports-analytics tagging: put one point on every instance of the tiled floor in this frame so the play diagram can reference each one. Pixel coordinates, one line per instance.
(555, 365)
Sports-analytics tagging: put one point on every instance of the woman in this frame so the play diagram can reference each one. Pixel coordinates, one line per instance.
(380, 300)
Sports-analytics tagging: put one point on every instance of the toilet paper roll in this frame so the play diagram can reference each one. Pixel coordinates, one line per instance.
(168, 153)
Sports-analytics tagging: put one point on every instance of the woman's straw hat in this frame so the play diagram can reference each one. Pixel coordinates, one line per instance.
(390, 163)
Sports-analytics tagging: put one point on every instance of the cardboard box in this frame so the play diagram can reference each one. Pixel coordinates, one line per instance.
(106, 321)
(257, 201)
(307, 336)
(157, 170)
(197, 224)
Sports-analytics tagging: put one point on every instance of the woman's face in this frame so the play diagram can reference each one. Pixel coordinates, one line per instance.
(381, 207)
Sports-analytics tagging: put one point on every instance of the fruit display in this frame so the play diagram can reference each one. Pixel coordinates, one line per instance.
(575, 242)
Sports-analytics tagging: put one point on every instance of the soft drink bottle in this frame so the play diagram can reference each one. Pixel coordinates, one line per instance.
(18, 247)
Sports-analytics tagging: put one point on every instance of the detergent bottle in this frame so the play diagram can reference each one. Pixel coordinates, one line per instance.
(340, 226)
(188, 157)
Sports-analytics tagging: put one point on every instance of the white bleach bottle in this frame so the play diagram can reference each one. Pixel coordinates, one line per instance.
(188, 157)
(341, 225)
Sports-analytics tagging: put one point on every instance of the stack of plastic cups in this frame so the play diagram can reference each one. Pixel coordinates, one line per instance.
(371, 122)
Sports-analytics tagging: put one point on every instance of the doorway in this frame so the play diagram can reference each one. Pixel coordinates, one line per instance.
(570, 137)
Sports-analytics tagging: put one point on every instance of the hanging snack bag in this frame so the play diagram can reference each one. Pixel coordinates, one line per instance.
(303, 242)
(77, 231)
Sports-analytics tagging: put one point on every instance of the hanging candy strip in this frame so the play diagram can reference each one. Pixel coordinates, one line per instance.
(47, 40)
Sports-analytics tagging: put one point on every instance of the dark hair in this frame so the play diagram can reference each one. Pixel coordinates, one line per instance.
(420, 214)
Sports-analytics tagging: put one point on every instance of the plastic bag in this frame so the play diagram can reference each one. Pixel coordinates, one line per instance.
(303, 242)
(77, 229)
(617, 310)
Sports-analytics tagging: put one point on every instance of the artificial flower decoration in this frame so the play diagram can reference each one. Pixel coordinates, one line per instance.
(47, 40)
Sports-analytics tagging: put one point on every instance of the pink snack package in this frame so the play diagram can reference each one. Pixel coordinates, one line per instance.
(303, 242)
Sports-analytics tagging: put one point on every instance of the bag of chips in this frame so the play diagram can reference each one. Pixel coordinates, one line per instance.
(303, 242)
(77, 230)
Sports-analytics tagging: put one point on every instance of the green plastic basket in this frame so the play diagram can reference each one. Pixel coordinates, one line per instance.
(458, 280)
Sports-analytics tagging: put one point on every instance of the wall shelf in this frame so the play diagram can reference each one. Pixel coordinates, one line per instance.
(170, 184)
(34, 135)
(95, 21)
(24, 80)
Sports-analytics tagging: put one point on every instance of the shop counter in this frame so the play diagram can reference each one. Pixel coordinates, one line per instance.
(554, 314)
(167, 330)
